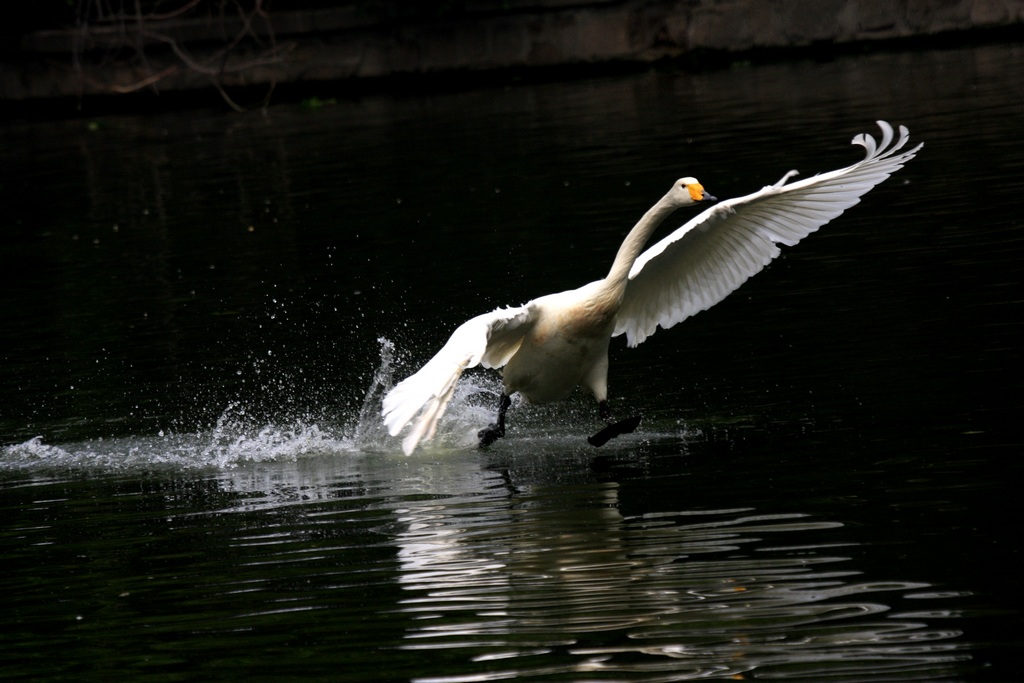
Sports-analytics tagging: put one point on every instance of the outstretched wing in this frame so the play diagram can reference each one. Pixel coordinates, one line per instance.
(702, 262)
(489, 339)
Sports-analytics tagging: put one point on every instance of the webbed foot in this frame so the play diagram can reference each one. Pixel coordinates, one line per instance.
(495, 430)
(615, 429)
(491, 434)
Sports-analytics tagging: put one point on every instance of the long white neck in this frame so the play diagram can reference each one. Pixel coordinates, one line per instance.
(635, 242)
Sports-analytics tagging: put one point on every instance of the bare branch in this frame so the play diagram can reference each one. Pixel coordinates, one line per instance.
(138, 85)
(127, 32)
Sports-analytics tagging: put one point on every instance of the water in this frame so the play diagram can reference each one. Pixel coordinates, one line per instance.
(201, 311)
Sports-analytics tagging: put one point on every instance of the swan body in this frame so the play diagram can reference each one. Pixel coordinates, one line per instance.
(554, 343)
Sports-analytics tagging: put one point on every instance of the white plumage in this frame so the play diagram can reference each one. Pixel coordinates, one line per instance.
(556, 342)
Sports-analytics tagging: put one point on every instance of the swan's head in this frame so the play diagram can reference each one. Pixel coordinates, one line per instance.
(688, 191)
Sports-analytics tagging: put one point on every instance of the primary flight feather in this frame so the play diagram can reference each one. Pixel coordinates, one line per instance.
(550, 345)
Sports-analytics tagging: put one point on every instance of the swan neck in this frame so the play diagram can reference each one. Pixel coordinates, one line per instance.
(637, 239)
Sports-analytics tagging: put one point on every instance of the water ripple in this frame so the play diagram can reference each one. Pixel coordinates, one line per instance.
(690, 589)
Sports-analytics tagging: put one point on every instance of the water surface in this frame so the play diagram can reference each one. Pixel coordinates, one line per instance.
(201, 311)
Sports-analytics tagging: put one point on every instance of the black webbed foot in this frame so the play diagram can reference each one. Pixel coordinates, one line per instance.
(495, 430)
(615, 429)
(491, 434)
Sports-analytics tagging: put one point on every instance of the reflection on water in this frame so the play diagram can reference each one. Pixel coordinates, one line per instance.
(695, 594)
(504, 567)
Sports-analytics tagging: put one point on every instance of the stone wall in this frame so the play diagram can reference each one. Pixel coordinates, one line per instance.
(343, 43)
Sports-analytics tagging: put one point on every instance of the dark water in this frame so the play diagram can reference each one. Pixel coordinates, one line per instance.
(198, 311)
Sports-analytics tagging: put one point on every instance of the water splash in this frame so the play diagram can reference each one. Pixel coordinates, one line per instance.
(235, 440)
(243, 434)
(369, 430)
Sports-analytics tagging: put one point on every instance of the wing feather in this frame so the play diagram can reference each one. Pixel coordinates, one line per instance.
(710, 256)
(490, 340)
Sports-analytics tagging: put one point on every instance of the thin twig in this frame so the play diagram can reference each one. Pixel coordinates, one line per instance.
(137, 28)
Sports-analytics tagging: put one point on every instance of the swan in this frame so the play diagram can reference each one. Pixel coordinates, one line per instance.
(554, 343)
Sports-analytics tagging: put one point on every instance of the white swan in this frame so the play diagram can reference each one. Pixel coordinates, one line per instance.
(550, 345)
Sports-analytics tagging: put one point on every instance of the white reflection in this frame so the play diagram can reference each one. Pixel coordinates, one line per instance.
(524, 577)
(534, 571)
